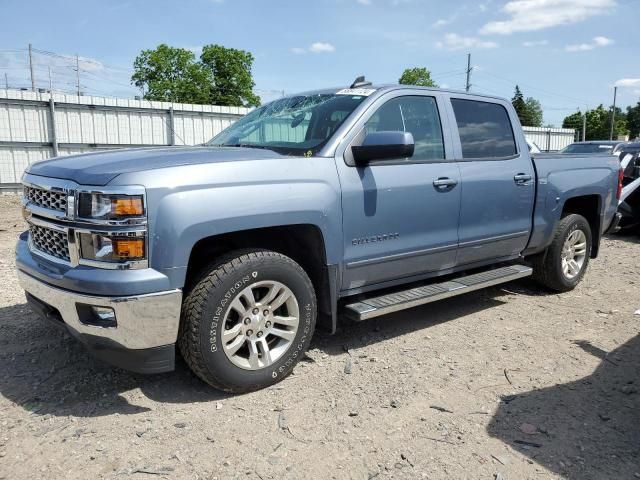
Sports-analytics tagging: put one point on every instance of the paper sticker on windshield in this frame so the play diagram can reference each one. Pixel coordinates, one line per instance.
(365, 92)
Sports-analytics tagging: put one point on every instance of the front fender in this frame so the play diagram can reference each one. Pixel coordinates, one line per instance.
(187, 204)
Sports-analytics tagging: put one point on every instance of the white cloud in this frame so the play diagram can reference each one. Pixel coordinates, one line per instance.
(602, 41)
(595, 43)
(579, 47)
(321, 47)
(317, 47)
(628, 83)
(535, 43)
(532, 15)
(364, 2)
(441, 23)
(453, 41)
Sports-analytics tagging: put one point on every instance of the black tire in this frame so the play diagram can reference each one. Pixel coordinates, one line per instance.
(205, 305)
(547, 266)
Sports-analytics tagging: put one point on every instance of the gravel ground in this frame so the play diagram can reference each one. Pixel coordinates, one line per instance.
(507, 383)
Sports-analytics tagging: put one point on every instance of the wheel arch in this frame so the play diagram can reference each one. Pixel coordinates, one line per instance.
(590, 207)
(303, 243)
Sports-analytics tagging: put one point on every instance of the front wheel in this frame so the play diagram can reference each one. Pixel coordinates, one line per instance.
(564, 263)
(247, 321)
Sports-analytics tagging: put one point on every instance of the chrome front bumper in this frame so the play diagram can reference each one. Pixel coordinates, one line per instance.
(142, 321)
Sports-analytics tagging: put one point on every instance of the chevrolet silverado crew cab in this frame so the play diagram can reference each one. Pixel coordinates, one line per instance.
(350, 202)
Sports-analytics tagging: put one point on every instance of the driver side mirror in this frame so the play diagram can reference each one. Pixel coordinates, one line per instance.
(383, 146)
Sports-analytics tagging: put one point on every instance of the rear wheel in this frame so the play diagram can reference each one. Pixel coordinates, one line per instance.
(563, 264)
(248, 321)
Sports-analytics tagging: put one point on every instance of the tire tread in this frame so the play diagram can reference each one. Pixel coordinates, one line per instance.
(545, 264)
(195, 300)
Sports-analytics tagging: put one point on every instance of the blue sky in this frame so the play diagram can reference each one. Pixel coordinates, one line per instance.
(566, 53)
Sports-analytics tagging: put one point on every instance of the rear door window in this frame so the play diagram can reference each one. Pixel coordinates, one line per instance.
(485, 129)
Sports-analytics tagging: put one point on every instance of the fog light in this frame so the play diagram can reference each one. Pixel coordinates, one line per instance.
(96, 316)
(103, 317)
(105, 314)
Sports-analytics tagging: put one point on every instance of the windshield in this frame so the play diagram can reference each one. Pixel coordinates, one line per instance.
(299, 125)
(588, 148)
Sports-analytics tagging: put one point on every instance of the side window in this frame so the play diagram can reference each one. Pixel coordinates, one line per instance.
(485, 129)
(415, 114)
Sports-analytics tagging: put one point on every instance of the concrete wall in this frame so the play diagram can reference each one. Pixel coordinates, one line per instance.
(85, 123)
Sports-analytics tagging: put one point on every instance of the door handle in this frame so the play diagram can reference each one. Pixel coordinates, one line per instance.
(444, 182)
(522, 178)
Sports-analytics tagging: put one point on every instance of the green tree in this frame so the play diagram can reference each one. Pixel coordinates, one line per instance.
(172, 75)
(520, 106)
(599, 123)
(621, 128)
(419, 76)
(574, 121)
(232, 80)
(534, 112)
(633, 120)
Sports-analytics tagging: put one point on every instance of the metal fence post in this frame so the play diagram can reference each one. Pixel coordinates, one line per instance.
(54, 135)
(549, 140)
(172, 127)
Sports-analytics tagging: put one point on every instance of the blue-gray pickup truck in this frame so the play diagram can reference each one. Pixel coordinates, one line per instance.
(342, 203)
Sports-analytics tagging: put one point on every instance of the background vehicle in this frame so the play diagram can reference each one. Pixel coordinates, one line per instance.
(629, 203)
(594, 146)
(631, 147)
(363, 201)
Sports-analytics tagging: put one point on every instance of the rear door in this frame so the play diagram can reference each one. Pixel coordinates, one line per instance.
(397, 222)
(498, 180)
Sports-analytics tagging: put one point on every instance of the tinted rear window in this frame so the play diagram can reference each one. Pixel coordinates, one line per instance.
(485, 129)
(588, 148)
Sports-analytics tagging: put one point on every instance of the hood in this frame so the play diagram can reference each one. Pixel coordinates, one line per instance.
(101, 167)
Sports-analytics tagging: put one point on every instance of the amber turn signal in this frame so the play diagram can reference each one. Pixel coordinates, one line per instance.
(130, 248)
(131, 206)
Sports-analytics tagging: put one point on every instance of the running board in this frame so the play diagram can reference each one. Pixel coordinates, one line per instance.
(393, 302)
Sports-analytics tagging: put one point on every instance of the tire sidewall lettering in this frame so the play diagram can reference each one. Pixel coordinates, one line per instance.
(232, 286)
(221, 309)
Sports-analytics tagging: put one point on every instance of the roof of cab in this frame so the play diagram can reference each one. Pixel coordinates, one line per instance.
(390, 87)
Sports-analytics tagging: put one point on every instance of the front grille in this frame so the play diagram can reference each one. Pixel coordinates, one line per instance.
(49, 199)
(51, 242)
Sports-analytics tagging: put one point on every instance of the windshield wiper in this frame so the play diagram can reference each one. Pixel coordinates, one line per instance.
(243, 145)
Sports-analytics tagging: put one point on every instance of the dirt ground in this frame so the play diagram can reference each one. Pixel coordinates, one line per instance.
(510, 383)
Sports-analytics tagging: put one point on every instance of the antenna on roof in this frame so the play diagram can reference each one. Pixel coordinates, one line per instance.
(360, 82)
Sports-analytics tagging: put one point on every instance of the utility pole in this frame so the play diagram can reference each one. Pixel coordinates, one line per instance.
(6, 81)
(78, 73)
(468, 85)
(50, 81)
(613, 112)
(33, 78)
(584, 125)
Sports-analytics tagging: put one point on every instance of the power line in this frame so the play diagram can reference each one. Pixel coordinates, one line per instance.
(513, 82)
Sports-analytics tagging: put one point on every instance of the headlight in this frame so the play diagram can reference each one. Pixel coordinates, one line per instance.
(112, 248)
(101, 206)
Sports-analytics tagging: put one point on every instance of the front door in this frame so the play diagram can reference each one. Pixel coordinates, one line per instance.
(400, 217)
